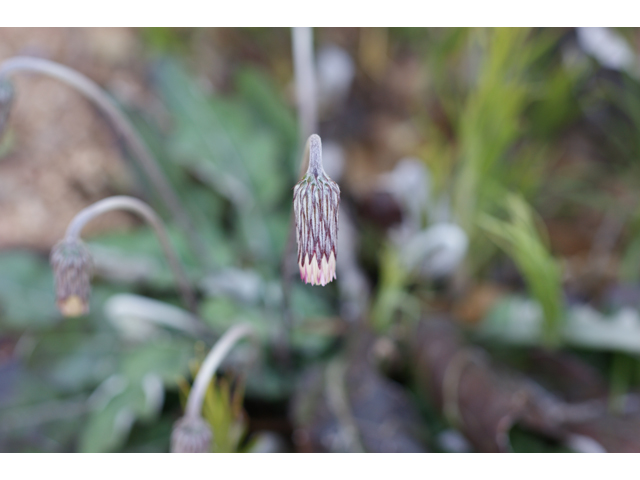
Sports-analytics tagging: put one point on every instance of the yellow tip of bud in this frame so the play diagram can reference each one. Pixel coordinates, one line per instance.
(73, 306)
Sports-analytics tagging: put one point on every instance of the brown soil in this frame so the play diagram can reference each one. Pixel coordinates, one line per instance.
(58, 154)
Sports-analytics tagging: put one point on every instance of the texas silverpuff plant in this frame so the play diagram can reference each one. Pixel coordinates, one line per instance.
(316, 202)
(72, 264)
(72, 269)
(118, 120)
(192, 433)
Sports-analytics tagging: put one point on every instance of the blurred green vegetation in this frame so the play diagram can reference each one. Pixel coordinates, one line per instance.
(496, 119)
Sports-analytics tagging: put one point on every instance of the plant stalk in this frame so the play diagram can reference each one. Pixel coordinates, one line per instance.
(123, 126)
(149, 215)
(210, 365)
(305, 79)
(307, 101)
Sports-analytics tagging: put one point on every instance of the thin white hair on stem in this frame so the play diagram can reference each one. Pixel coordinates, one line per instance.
(305, 79)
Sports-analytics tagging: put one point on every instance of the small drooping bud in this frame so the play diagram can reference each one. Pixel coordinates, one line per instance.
(191, 435)
(316, 199)
(6, 100)
(72, 267)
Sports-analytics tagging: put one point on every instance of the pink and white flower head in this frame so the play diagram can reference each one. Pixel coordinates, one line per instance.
(315, 203)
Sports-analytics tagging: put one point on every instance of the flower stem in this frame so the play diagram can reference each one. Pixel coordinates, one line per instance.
(314, 146)
(145, 211)
(211, 363)
(305, 79)
(122, 125)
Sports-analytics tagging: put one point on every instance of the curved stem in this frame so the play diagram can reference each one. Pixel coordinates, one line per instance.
(122, 125)
(145, 211)
(211, 363)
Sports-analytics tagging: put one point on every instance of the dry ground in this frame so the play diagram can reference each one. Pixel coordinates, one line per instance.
(58, 154)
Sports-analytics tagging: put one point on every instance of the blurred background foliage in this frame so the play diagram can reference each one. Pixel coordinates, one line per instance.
(489, 178)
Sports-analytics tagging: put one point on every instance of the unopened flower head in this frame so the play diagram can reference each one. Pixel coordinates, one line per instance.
(6, 100)
(191, 435)
(316, 199)
(72, 266)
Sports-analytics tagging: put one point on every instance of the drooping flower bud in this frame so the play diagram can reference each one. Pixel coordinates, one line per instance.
(316, 199)
(72, 267)
(191, 435)
(6, 100)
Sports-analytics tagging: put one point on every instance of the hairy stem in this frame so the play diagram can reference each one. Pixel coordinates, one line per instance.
(210, 365)
(122, 125)
(314, 148)
(149, 215)
(305, 78)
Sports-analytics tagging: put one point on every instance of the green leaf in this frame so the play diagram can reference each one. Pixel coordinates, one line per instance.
(134, 394)
(27, 297)
(520, 239)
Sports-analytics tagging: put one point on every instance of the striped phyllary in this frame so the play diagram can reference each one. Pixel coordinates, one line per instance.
(316, 199)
